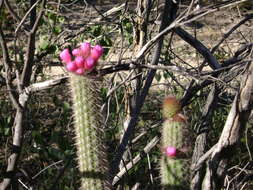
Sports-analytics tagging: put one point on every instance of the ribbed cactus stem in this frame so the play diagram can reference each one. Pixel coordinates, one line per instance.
(88, 130)
(175, 147)
(173, 167)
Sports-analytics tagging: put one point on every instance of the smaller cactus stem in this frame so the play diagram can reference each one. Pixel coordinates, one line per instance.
(175, 147)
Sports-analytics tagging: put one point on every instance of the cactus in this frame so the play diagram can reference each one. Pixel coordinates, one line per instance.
(88, 121)
(175, 147)
(171, 106)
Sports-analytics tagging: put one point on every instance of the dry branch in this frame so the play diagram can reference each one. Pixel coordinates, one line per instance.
(233, 129)
(18, 100)
(135, 160)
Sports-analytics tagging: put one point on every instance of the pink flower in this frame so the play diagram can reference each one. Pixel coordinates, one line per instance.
(85, 58)
(65, 56)
(90, 63)
(76, 52)
(99, 48)
(170, 151)
(85, 49)
(79, 60)
(96, 52)
(71, 66)
(80, 71)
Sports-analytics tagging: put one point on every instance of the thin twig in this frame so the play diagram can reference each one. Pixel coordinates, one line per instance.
(230, 31)
(7, 66)
(179, 22)
(44, 169)
(136, 159)
(26, 15)
(203, 50)
(27, 71)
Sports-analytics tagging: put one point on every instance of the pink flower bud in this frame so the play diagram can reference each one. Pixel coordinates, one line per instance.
(71, 66)
(85, 49)
(96, 52)
(99, 48)
(171, 151)
(76, 52)
(65, 56)
(80, 71)
(90, 63)
(79, 61)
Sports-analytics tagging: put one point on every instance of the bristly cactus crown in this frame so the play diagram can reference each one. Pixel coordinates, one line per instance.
(83, 59)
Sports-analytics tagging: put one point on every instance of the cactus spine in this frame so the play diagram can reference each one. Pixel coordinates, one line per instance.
(175, 146)
(88, 130)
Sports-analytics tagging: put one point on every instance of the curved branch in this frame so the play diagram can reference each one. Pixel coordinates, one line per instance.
(226, 35)
(203, 50)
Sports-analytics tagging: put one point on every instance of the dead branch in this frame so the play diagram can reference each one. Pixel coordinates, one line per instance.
(232, 131)
(19, 101)
(230, 31)
(203, 50)
(135, 160)
(27, 71)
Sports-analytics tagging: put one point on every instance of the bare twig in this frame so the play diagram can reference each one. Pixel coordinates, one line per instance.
(27, 71)
(136, 159)
(20, 101)
(26, 15)
(201, 140)
(203, 50)
(230, 31)
(7, 66)
(47, 167)
(242, 52)
(181, 20)
(45, 85)
(110, 12)
(13, 13)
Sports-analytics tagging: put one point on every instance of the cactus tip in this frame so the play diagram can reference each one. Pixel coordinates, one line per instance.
(171, 106)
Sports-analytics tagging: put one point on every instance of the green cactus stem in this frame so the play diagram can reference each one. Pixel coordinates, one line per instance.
(175, 147)
(88, 120)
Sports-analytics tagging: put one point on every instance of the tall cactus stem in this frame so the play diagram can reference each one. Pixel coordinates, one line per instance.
(91, 151)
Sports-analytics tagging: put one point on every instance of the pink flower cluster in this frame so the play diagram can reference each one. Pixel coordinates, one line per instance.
(83, 59)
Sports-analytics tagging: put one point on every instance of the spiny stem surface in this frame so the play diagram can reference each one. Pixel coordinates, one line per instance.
(91, 151)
